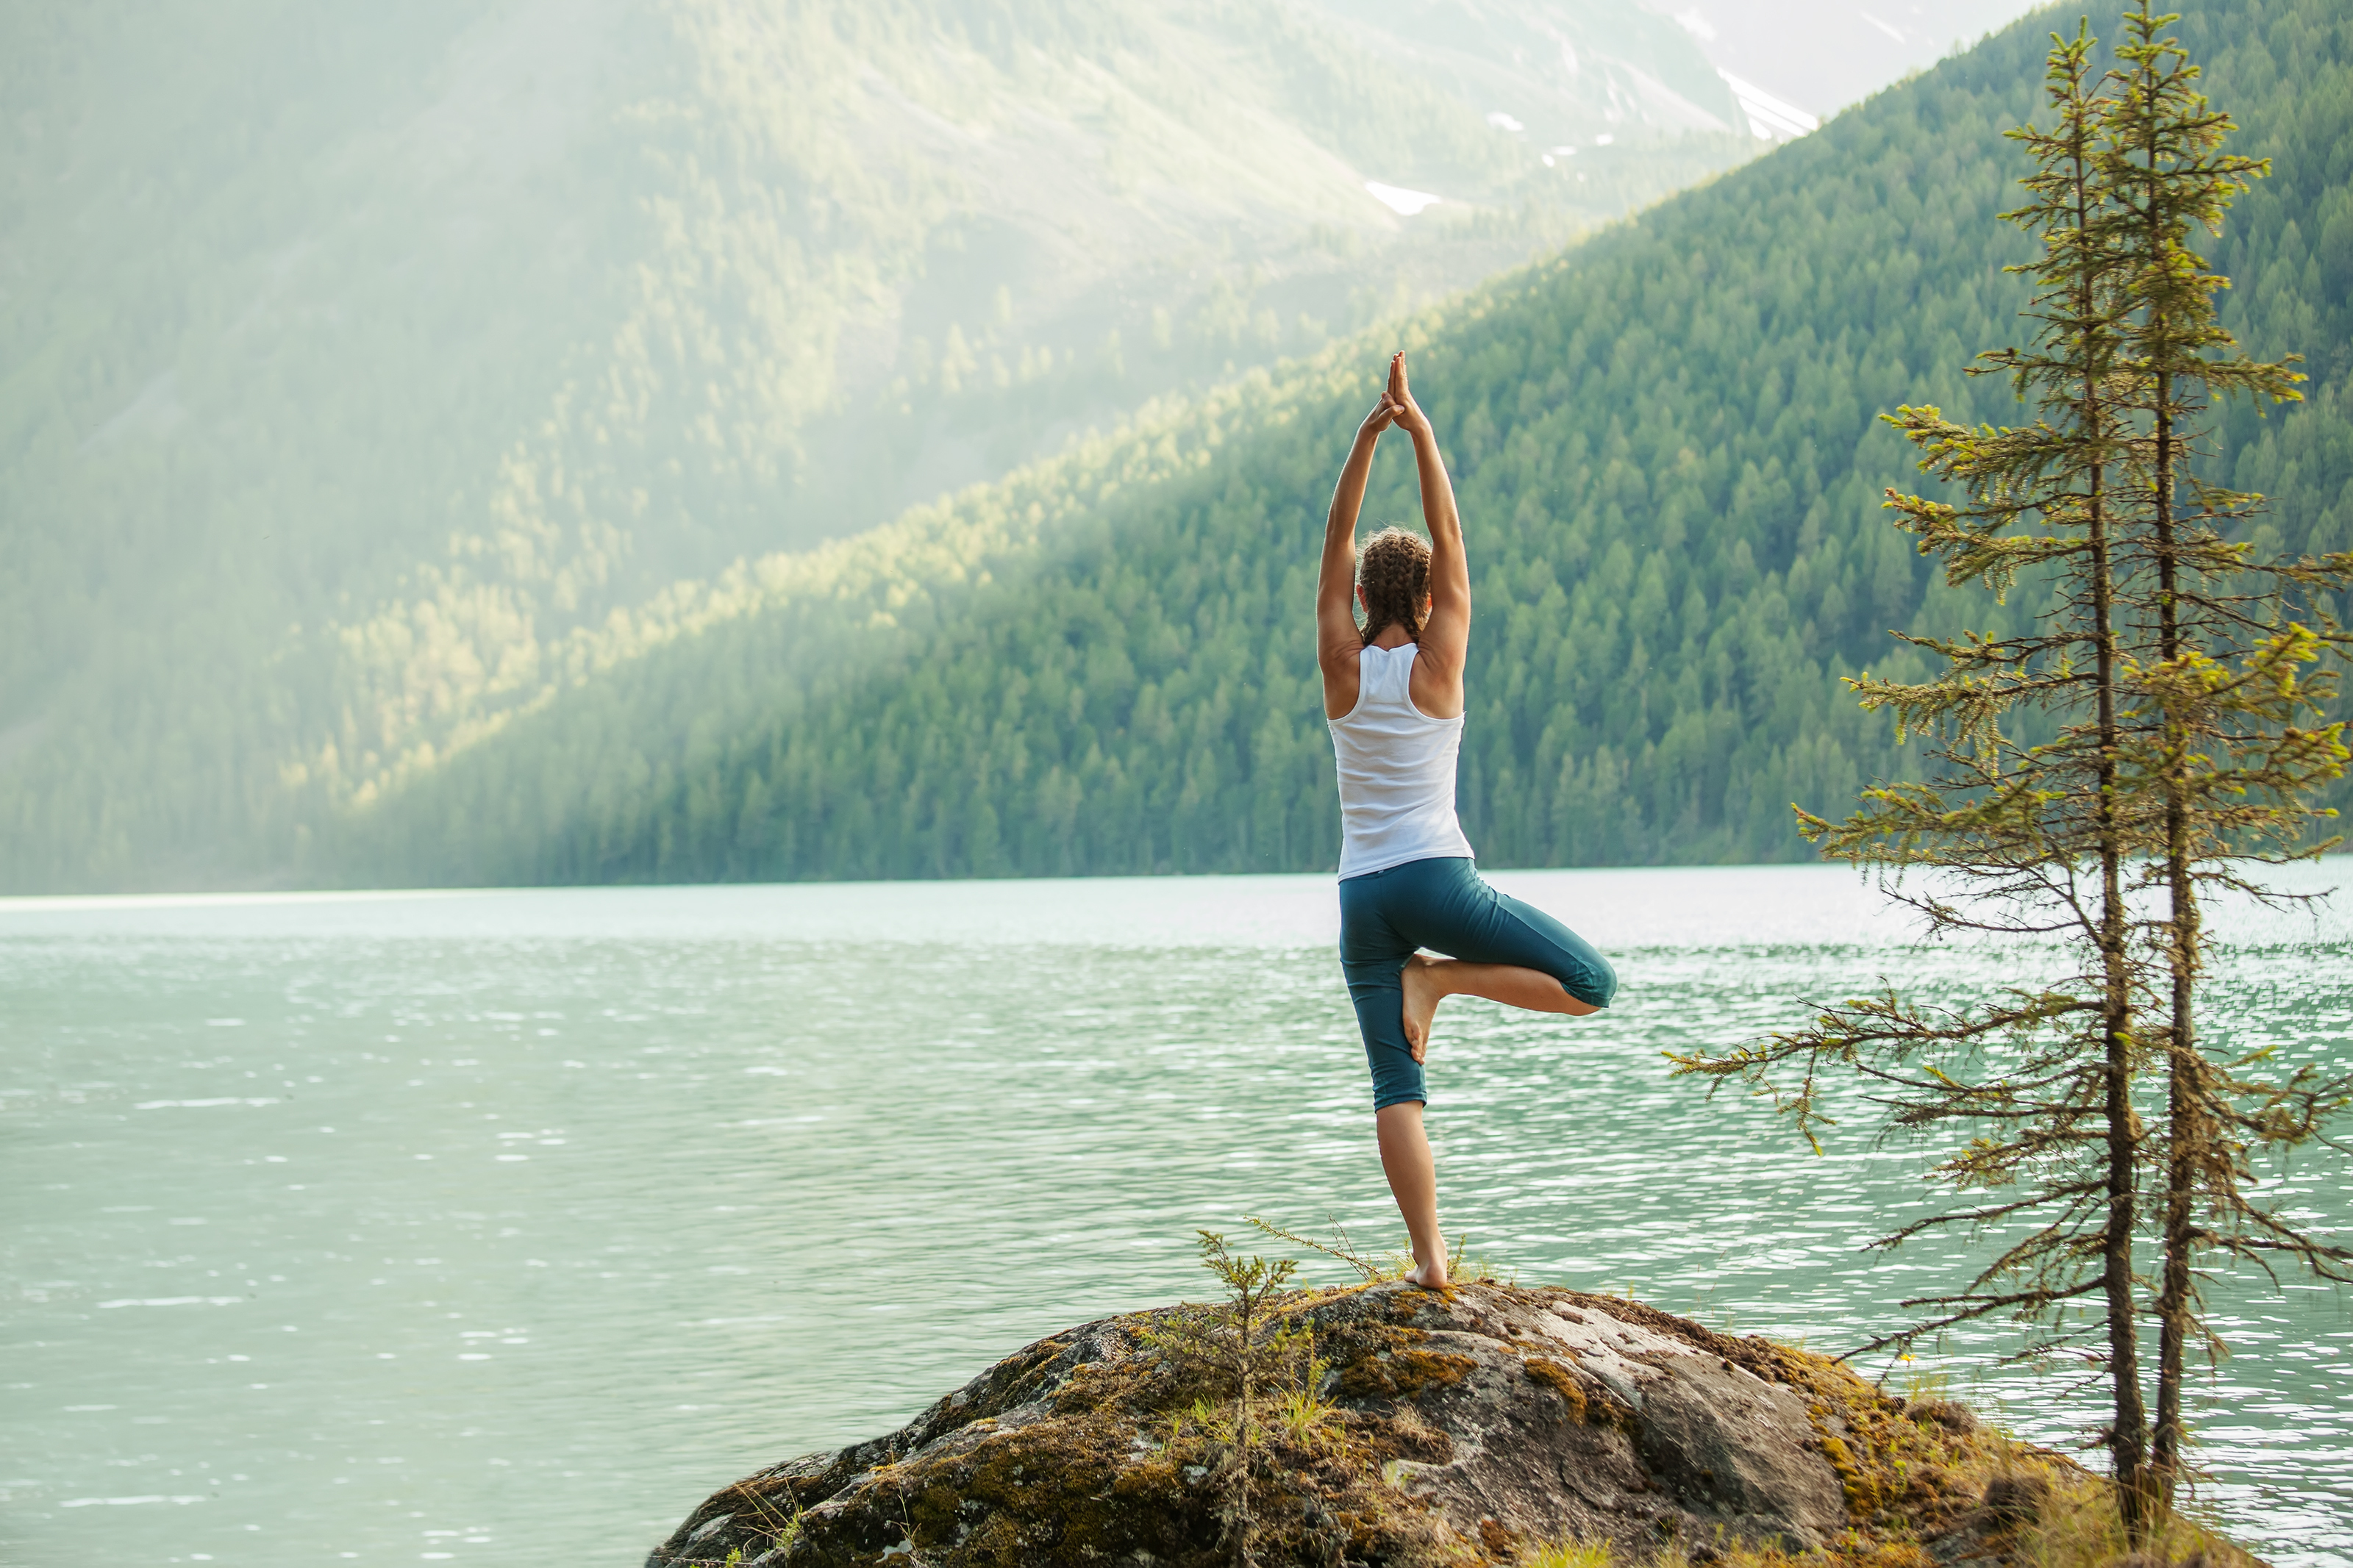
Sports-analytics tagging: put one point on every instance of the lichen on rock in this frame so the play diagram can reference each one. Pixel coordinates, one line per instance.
(1470, 1426)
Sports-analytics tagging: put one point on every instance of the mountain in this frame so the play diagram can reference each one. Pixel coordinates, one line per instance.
(367, 374)
(1820, 56)
(1669, 465)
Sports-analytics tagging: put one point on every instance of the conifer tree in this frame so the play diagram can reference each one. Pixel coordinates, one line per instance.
(2150, 728)
(2225, 644)
(2019, 838)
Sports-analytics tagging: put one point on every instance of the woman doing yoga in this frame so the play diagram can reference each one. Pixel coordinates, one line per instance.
(1393, 692)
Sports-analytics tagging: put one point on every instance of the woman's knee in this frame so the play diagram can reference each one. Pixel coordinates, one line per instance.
(1598, 983)
(1553, 948)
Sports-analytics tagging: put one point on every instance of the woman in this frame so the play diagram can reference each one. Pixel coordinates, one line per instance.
(1393, 693)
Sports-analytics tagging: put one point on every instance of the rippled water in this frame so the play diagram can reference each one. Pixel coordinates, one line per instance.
(504, 1227)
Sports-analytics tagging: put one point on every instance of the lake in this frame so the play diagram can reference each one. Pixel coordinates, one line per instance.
(505, 1226)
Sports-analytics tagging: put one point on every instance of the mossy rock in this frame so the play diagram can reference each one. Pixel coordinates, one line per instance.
(1465, 1428)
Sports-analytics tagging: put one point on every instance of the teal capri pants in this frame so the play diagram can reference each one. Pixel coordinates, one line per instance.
(1443, 904)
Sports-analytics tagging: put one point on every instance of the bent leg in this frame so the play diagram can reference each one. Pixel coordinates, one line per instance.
(1473, 924)
(1413, 1181)
(1502, 949)
(1531, 988)
(1503, 931)
(1427, 981)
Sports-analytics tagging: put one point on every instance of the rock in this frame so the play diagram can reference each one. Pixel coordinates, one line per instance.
(1472, 1427)
(1949, 1412)
(2016, 1499)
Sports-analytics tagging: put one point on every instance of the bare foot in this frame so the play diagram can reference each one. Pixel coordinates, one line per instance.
(1428, 1276)
(1422, 993)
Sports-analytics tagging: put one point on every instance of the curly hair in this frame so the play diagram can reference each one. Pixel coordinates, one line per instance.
(1393, 572)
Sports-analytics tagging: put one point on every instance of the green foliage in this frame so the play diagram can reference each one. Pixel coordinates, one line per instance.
(1372, 1271)
(1573, 1554)
(367, 375)
(1266, 1364)
(1234, 1339)
(1669, 475)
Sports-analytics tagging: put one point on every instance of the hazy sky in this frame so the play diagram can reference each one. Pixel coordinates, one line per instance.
(1823, 55)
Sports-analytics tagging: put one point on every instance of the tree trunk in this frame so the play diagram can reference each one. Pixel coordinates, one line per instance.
(2188, 1137)
(2128, 1439)
(2184, 1121)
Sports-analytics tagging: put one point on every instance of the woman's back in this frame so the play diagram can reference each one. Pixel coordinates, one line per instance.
(1397, 770)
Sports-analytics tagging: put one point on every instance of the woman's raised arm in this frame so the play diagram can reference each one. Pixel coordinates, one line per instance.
(1446, 631)
(1337, 640)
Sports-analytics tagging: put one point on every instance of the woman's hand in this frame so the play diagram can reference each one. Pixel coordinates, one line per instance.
(1398, 399)
(1382, 415)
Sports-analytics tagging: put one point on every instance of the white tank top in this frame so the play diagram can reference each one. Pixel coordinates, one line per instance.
(1396, 771)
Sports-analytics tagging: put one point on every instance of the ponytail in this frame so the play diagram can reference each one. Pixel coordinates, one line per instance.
(1393, 572)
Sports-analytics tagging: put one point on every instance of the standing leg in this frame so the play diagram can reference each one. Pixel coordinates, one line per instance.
(1398, 1095)
(1413, 1181)
(1372, 954)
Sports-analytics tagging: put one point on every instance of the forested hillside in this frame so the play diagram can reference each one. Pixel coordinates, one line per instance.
(367, 374)
(1668, 468)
